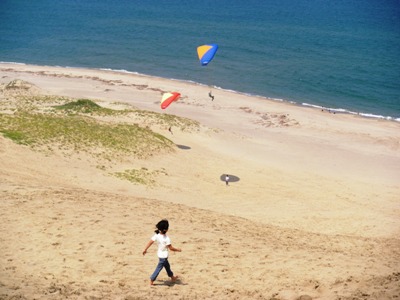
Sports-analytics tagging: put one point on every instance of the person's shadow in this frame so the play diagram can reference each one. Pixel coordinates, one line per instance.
(232, 178)
(170, 283)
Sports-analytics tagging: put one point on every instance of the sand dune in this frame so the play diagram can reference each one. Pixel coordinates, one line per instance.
(313, 212)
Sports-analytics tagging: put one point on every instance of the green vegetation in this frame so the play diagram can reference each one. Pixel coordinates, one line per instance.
(84, 106)
(142, 176)
(16, 136)
(83, 133)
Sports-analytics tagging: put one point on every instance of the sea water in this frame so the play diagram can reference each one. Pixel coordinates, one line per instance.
(337, 54)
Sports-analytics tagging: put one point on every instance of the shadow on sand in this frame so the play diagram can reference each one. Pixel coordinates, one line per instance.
(169, 283)
(232, 178)
(183, 147)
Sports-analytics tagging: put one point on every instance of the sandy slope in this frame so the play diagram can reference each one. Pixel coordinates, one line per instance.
(314, 210)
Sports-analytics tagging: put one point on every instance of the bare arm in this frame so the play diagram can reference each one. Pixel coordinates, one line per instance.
(148, 246)
(172, 248)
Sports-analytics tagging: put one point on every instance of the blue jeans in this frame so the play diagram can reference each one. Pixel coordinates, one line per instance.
(162, 263)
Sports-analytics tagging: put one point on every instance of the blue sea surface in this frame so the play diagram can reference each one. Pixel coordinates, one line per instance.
(342, 54)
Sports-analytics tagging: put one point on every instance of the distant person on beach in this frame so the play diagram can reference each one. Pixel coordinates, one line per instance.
(226, 179)
(164, 244)
(211, 96)
(170, 130)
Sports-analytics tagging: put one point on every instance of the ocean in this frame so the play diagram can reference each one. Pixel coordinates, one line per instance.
(340, 54)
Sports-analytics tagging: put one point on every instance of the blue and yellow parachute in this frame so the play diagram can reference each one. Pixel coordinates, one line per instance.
(206, 53)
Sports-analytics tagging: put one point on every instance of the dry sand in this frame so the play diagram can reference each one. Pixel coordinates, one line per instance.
(313, 211)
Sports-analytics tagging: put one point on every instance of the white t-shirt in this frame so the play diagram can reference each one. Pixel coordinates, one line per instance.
(162, 241)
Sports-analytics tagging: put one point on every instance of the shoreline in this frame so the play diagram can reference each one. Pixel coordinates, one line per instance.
(301, 104)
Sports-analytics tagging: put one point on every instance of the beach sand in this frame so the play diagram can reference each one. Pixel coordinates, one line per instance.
(312, 210)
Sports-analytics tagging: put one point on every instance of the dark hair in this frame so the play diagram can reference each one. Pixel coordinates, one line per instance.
(162, 226)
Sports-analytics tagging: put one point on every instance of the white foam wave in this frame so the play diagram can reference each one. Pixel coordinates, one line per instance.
(345, 111)
(12, 63)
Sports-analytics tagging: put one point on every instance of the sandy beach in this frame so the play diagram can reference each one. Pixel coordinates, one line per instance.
(312, 210)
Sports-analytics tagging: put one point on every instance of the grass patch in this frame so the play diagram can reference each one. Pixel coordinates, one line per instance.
(82, 133)
(84, 106)
(141, 176)
(16, 136)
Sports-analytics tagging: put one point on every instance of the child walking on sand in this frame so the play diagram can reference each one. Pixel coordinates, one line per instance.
(164, 244)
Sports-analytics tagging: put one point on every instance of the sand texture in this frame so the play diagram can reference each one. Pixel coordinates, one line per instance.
(312, 209)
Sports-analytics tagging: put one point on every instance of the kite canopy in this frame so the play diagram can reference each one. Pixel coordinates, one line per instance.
(168, 98)
(206, 53)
